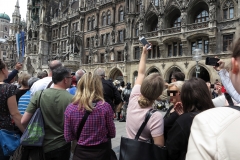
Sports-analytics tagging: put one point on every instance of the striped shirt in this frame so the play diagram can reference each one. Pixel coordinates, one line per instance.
(23, 102)
(98, 128)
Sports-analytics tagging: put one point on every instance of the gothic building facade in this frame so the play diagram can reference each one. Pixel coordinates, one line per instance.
(89, 34)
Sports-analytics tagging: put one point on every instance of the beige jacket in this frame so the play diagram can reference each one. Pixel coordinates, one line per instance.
(215, 135)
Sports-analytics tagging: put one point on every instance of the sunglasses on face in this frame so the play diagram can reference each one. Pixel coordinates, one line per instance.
(172, 93)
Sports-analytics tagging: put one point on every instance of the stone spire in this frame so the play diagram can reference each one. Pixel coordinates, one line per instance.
(16, 16)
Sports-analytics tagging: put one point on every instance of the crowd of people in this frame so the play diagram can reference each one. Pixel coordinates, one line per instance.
(78, 110)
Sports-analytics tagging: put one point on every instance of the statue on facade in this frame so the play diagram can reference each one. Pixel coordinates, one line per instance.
(160, 22)
(212, 12)
(183, 18)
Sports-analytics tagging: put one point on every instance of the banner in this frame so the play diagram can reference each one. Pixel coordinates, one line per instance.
(23, 44)
(18, 43)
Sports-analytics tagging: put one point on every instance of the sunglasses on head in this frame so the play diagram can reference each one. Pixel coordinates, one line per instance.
(172, 93)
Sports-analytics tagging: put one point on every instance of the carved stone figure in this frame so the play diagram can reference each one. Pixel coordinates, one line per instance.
(160, 22)
(141, 26)
(212, 12)
(183, 18)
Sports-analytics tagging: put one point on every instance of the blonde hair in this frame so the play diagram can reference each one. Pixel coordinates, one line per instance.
(89, 89)
(178, 84)
(23, 79)
(151, 88)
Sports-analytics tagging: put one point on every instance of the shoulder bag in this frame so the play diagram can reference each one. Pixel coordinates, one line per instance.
(132, 149)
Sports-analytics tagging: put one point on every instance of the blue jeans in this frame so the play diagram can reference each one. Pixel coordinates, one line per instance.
(62, 153)
(2, 157)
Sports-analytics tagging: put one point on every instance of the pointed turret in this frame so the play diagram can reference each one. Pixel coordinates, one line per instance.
(16, 16)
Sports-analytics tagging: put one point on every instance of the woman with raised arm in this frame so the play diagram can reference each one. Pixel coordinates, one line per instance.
(8, 106)
(145, 91)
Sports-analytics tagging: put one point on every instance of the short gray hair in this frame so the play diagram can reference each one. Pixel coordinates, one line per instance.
(31, 81)
(42, 74)
(178, 84)
(100, 72)
(79, 74)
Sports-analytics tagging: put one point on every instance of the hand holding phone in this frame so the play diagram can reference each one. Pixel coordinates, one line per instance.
(145, 42)
(212, 61)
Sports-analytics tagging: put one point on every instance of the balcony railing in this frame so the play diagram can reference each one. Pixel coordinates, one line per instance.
(195, 26)
(171, 30)
(151, 34)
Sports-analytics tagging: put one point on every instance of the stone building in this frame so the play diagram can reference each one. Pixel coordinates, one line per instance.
(4, 33)
(89, 34)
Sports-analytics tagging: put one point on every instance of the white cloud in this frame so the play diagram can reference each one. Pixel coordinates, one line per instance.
(8, 7)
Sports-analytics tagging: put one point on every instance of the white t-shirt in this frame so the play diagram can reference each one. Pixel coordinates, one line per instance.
(40, 85)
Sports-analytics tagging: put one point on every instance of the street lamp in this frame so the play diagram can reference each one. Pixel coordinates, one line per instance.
(197, 56)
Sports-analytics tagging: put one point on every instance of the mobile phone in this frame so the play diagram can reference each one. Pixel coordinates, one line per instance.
(212, 61)
(145, 42)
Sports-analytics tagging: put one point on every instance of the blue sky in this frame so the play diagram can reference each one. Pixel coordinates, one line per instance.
(8, 7)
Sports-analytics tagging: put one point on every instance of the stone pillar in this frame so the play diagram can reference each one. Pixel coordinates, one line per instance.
(184, 48)
(161, 48)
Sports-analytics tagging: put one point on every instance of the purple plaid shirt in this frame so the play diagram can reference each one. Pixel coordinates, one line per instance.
(98, 128)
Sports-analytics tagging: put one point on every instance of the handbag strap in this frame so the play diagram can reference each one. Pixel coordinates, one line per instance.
(229, 99)
(147, 117)
(84, 119)
(39, 99)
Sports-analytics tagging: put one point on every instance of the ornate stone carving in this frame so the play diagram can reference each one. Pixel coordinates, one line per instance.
(183, 18)
(212, 12)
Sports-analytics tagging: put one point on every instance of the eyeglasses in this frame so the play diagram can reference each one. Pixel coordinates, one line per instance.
(172, 93)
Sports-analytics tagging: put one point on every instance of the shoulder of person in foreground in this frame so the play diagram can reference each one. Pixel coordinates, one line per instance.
(212, 135)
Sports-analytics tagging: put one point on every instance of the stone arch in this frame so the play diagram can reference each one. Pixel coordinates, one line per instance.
(173, 13)
(204, 73)
(195, 8)
(169, 72)
(153, 69)
(115, 73)
(151, 22)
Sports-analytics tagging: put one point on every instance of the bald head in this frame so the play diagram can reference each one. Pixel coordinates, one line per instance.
(79, 74)
(54, 64)
(100, 72)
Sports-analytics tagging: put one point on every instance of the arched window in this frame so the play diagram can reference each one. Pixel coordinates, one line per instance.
(93, 22)
(202, 17)
(108, 18)
(121, 14)
(228, 10)
(89, 24)
(177, 22)
(103, 19)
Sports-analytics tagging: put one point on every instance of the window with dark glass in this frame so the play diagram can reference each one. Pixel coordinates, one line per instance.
(121, 14)
(109, 18)
(227, 40)
(88, 42)
(102, 58)
(149, 54)
(158, 52)
(228, 10)
(177, 22)
(154, 51)
(119, 54)
(93, 22)
(169, 50)
(202, 17)
(89, 23)
(107, 38)
(103, 19)
(180, 49)
(86, 60)
(193, 46)
(137, 53)
(120, 33)
(103, 39)
(175, 45)
(136, 32)
(137, 7)
(206, 46)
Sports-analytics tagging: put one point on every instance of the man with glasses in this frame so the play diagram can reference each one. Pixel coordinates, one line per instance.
(53, 104)
(46, 82)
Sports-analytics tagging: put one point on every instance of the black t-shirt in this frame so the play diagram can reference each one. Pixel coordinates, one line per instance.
(20, 92)
(6, 91)
(178, 135)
